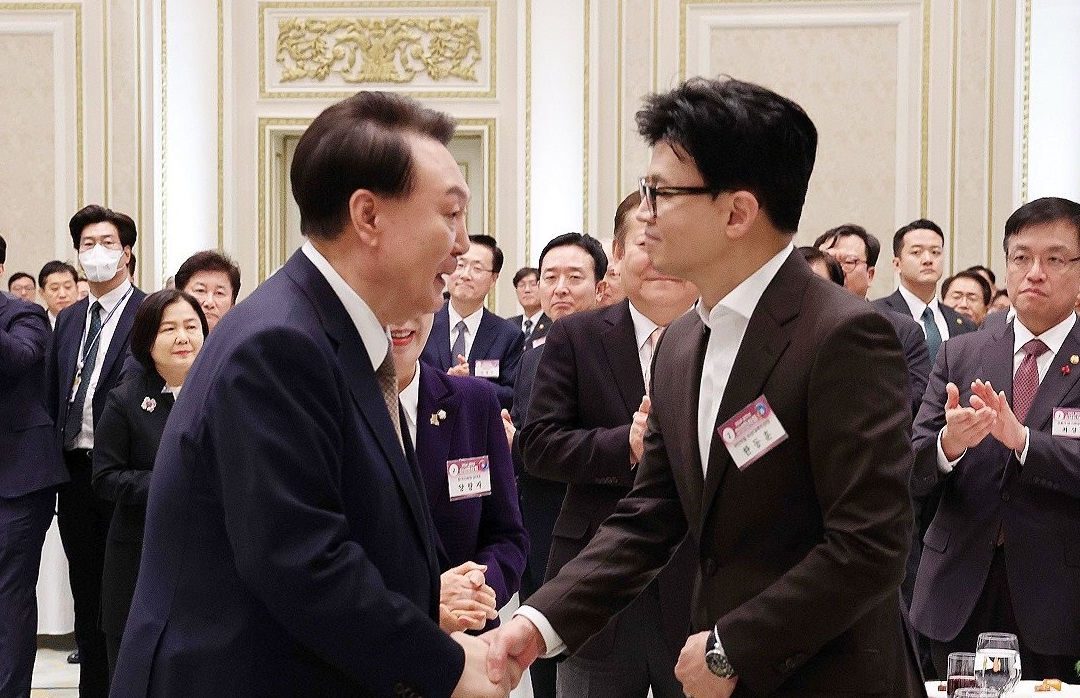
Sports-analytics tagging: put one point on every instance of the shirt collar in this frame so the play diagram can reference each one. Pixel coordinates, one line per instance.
(643, 326)
(535, 318)
(472, 322)
(109, 300)
(916, 305)
(372, 334)
(743, 299)
(1053, 337)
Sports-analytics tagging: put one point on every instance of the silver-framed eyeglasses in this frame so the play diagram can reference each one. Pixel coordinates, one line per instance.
(1022, 260)
(650, 191)
(473, 267)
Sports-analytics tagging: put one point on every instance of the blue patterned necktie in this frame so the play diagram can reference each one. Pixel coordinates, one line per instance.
(459, 343)
(73, 422)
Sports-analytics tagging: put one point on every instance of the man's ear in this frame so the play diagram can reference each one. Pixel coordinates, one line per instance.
(870, 273)
(363, 215)
(742, 212)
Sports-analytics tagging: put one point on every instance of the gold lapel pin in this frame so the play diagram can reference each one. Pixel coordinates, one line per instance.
(959, 321)
(1074, 359)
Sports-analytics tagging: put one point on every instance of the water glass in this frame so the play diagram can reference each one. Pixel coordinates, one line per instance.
(997, 661)
(961, 671)
(977, 693)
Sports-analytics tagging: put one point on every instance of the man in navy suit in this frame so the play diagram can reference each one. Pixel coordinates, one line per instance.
(289, 549)
(90, 344)
(467, 338)
(918, 253)
(30, 471)
(585, 427)
(998, 428)
(533, 321)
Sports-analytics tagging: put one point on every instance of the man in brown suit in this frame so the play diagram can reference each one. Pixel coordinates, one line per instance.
(779, 437)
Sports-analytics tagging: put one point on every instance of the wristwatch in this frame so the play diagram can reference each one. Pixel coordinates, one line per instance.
(715, 659)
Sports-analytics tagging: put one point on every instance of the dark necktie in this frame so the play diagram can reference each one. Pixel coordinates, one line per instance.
(527, 331)
(933, 335)
(459, 343)
(651, 344)
(1026, 380)
(386, 374)
(73, 422)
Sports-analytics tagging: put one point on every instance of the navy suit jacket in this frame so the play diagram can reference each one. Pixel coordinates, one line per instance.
(64, 357)
(958, 323)
(538, 332)
(1037, 504)
(486, 530)
(289, 550)
(30, 457)
(916, 353)
(496, 338)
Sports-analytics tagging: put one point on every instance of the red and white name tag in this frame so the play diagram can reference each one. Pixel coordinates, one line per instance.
(486, 368)
(1066, 422)
(468, 477)
(752, 432)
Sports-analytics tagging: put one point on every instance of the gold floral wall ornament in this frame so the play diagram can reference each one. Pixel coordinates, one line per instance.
(379, 50)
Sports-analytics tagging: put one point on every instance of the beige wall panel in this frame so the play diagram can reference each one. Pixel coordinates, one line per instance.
(28, 142)
(968, 226)
(638, 57)
(123, 139)
(845, 78)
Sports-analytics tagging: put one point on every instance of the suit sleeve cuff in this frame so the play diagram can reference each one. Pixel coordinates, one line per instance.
(554, 643)
(1021, 455)
(944, 464)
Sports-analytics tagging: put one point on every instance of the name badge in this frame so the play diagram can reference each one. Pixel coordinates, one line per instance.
(468, 477)
(539, 341)
(486, 368)
(1066, 422)
(752, 432)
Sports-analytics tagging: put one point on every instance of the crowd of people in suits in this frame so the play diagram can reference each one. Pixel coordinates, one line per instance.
(704, 460)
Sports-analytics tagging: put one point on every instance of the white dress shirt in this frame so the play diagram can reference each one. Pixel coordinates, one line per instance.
(472, 324)
(643, 329)
(1053, 338)
(916, 308)
(375, 337)
(727, 321)
(112, 307)
(409, 397)
(533, 318)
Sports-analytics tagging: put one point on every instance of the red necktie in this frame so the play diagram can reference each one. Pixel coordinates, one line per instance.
(1026, 380)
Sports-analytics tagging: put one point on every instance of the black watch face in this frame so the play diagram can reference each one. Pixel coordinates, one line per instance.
(719, 664)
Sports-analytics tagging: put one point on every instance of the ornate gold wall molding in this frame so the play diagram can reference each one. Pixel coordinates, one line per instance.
(429, 49)
(378, 50)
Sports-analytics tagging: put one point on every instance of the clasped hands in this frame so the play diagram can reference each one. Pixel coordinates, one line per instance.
(988, 413)
(516, 645)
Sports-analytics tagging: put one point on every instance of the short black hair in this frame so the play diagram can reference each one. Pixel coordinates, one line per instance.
(94, 213)
(1049, 209)
(209, 260)
(523, 272)
(490, 243)
(626, 208)
(813, 254)
(3, 249)
(870, 242)
(144, 328)
(986, 270)
(917, 224)
(585, 242)
(359, 143)
(975, 276)
(740, 136)
(56, 267)
(16, 276)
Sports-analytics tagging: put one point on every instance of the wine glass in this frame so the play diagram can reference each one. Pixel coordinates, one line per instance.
(997, 661)
(961, 672)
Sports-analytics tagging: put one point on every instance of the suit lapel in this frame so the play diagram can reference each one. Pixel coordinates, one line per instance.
(434, 439)
(124, 322)
(767, 337)
(997, 362)
(440, 332)
(1055, 386)
(485, 337)
(620, 344)
(689, 351)
(360, 377)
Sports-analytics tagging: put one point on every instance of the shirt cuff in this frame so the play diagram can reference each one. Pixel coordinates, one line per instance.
(944, 464)
(554, 643)
(1022, 454)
